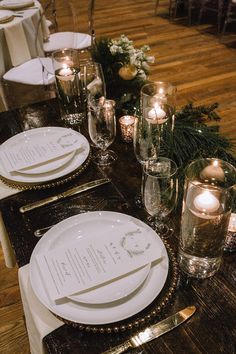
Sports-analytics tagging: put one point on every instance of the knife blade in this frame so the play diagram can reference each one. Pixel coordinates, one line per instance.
(68, 193)
(154, 331)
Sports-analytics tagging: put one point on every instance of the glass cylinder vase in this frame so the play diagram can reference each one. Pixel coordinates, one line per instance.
(207, 203)
(69, 87)
(157, 104)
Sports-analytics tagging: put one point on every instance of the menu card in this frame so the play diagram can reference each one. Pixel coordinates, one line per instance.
(94, 260)
(38, 150)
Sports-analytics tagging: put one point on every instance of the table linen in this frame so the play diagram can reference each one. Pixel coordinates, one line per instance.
(17, 38)
(8, 252)
(39, 320)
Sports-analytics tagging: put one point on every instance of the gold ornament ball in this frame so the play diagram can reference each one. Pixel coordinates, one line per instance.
(128, 72)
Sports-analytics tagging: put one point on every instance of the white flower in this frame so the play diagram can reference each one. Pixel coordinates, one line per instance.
(114, 49)
(133, 58)
(145, 66)
(150, 59)
(142, 75)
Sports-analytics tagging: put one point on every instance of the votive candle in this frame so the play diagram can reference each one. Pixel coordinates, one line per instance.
(127, 128)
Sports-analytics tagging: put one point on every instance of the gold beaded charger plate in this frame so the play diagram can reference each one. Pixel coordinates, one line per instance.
(102, 315)
(53, 172)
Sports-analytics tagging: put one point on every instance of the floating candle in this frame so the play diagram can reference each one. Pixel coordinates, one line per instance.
(214, 172)
(206, 202)
(66, 73)
(157, 115)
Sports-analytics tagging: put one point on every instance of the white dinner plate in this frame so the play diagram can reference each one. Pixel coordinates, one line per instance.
(82, 225)
(6, 15)
(63, 167)
(16, 5)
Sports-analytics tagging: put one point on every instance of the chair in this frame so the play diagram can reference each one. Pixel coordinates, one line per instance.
(171, 5)
(37, 71)
(71, 39)
(215, 6)
(230, 15)
(176, 4)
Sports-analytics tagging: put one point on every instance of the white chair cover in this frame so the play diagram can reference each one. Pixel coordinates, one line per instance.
(61, 40)
(37, 71)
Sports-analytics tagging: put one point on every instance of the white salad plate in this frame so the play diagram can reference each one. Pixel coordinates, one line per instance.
(52, 169)
(142, 289)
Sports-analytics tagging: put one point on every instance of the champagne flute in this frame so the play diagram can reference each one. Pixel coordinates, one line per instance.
(94, 81)
(146, 142)
(160, 191)
(102, 129)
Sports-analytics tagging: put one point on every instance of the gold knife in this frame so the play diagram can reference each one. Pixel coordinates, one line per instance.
(68, 193)
(154, 331)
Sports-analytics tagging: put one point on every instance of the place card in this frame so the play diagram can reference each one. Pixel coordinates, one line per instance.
(36, 151)
(94, 260)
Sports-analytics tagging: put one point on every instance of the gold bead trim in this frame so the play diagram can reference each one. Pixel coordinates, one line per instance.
(54, 183)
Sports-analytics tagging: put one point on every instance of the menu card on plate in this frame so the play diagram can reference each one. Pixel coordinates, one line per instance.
(33, 152)
(94, 260)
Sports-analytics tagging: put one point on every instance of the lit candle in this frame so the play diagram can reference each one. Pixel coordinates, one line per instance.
(127, 128)
(66, 74)
(206, 202)
(214, 172)
(157, 115)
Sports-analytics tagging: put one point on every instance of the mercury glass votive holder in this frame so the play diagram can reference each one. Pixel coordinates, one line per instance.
(230, 241)
(127, 128)
(207, 205)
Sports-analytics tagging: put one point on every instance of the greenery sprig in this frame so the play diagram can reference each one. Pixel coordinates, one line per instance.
(193, 137)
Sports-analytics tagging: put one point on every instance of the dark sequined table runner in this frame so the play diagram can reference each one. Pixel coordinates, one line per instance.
(211, 330)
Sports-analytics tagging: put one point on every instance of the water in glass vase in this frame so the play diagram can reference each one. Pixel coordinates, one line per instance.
(202, 240)
(71, 96)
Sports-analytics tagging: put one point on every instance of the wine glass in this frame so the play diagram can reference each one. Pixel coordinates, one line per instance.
(102, 128)
(160, 191)
(146, 142)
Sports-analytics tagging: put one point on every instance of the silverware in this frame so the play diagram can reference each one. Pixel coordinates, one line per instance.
(68, 193)
(154, 331)
(40, 232)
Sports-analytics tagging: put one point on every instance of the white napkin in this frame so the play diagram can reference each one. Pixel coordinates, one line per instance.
(31, 72)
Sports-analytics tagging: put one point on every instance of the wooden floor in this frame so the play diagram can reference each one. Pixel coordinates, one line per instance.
(203, 68)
